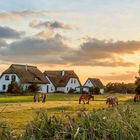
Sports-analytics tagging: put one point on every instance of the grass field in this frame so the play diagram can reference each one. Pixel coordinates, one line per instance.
(18, 111)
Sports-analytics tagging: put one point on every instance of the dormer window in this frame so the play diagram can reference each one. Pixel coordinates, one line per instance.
(13, 77)
(7, 77)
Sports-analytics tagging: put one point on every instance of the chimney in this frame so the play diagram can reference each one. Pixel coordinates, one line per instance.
(26, 67)
(63, 72)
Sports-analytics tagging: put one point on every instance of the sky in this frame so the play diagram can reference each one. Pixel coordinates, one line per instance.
(95, 38)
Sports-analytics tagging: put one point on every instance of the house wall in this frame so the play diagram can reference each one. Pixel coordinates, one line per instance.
(51, 87)
(89, 84)
(60, 89)
(43, 88)
(72, 84)
(4, 82)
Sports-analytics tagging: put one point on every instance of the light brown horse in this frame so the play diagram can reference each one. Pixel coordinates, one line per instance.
(112, 100)
(37, 97)
(85, 97)
(136, 98)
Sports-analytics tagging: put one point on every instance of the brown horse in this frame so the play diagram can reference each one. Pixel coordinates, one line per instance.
(85, 97)
(37, 97)
(136, 98)
(112, 100)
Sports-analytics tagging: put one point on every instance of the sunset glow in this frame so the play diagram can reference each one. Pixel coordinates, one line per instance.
(94, 38)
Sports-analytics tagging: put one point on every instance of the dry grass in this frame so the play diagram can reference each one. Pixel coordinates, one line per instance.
(18, 115)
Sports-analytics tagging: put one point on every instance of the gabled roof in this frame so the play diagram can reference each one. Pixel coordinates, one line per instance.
(61, 78)
(96, 82)
(26, 73)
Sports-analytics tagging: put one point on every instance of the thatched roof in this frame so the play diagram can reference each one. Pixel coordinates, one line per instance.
(58, 79)
(96, 82)
(26, 73)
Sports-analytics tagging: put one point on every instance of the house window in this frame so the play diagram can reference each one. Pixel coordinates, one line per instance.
(71, 81)
(67, 88)
(3, 87)
(26, 87)
(51, 88)
(74, 81)
(88, 82)
(13, 78)
(7, 77)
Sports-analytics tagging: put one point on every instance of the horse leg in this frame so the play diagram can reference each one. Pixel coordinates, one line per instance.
(79, 101)
(34, 99)
(83, 101)
(38, 99)
(43, 99)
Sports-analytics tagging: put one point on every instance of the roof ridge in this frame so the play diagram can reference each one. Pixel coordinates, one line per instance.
(23, 65)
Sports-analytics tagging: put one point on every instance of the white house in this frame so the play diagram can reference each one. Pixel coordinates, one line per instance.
(24, 75)
(94, 82)
(63, 81)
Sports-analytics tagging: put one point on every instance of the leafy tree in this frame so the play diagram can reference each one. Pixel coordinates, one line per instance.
(33, 88)
(14, 87)
(96, 90)
(137, 83)
(120, 87)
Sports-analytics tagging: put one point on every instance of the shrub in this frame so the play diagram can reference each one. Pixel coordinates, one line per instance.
(33, 88)
(96, 90)
(14, 87)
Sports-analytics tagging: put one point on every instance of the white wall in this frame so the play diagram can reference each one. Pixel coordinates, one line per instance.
(89, 84)
(7, 82)
(43, 88)
(60, 89)
(51, 87)
(72, 84)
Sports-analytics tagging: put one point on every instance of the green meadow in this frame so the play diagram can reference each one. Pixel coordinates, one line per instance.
(19, 111)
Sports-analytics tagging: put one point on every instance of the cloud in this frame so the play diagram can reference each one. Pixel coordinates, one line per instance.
(54, 50)
(45, 34)
(35, 50)
(103, 53)
(9, 33)
(50, 24)
(127, 76)
(2, 43)
(22, 14)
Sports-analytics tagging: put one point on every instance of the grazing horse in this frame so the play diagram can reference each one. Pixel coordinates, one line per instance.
(37, 97)
(85, 97)
(136, 98)
(112, 100)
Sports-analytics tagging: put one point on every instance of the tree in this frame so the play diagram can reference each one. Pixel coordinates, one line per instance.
(137, 83)
(33, 88)
(96, 90)
(14, 87)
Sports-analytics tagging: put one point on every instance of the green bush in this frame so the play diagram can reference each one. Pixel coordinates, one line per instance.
(33, 88)
(14, 87)
(96, 90)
